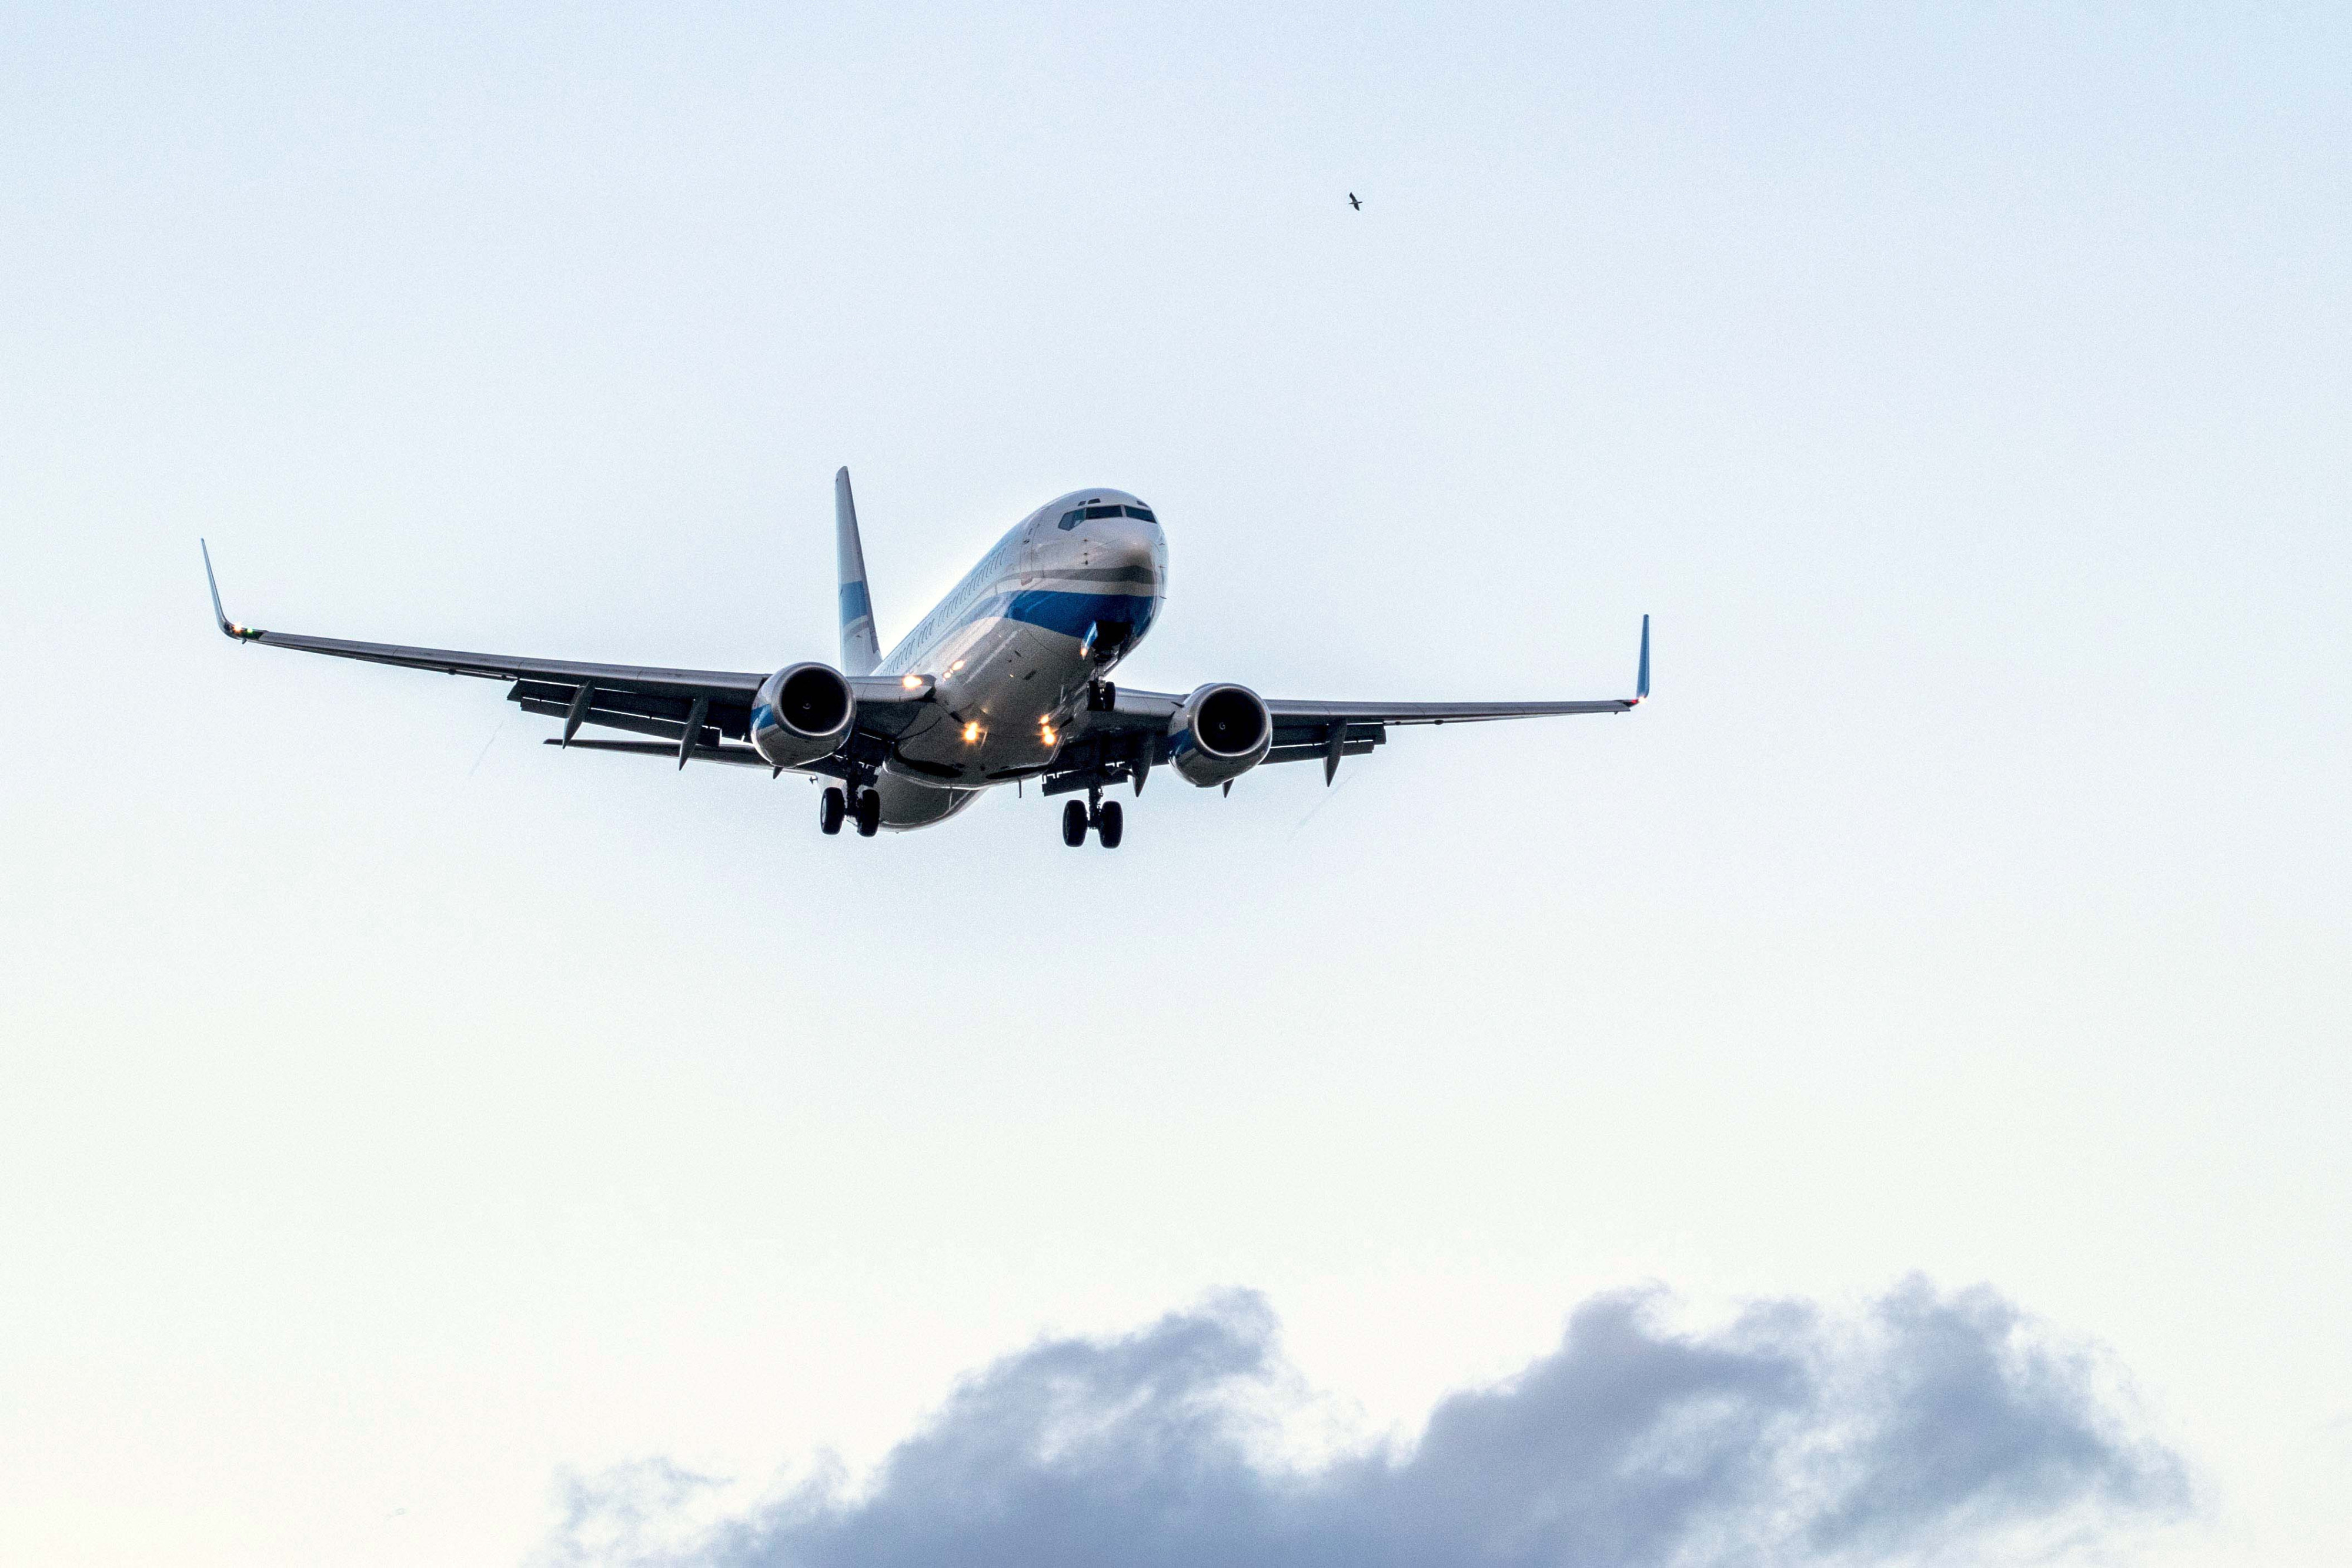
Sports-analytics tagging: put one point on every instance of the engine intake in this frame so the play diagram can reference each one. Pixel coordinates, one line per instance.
(802, 714)
(1220, 733)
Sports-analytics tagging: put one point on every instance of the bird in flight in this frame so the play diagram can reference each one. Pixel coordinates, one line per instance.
(1353, 203)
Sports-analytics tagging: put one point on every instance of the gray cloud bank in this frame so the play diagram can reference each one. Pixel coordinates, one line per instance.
(1931, 1428)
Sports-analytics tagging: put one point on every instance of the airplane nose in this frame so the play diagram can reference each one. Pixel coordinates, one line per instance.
(1129, 544)
(1135, 539)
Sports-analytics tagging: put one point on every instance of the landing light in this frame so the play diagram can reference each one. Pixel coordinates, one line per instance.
(971, 733)
(910, 682)
(1046, 730)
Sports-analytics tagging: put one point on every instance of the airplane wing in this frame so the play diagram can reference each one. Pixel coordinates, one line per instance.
(1304, 731)
(697, 712)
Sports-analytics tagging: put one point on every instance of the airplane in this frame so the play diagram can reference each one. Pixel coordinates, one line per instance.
(1006, 680)
(1354, 204)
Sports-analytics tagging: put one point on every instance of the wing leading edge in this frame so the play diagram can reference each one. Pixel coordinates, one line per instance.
(696, 711)
(1163, 706)
(714, 684)
(1319, 731)
(1464, 713)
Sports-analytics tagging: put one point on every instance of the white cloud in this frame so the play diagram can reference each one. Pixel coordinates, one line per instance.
(1932, 1427)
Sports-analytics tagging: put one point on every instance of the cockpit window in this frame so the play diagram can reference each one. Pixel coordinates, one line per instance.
(1071, 519)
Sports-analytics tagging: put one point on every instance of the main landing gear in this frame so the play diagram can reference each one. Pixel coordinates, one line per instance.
(1104, 817)
(833, 807)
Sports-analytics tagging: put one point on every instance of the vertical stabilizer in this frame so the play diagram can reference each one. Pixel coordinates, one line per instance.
(860, 650)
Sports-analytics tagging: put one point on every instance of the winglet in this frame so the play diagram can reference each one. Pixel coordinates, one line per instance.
(228, 627)
(1642, 681)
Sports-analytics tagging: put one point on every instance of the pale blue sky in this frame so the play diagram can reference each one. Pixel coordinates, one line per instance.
(398, 1114)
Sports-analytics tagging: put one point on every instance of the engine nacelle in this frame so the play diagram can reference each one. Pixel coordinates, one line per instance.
(1220, 733)
(802, 714)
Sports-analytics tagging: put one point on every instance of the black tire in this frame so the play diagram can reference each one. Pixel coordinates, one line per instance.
(1073, 824)
(830, 809)
(1112, 826)
(869, 812)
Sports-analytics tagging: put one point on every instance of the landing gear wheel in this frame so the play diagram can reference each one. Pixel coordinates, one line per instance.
(830, 809)
(1110, 824)
(1073, 824)
(869, 812)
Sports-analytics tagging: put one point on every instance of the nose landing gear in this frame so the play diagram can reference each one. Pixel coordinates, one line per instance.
(1105, 817)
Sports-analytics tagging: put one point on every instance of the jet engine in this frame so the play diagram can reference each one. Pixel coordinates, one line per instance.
(802, 714)
(1220, 734)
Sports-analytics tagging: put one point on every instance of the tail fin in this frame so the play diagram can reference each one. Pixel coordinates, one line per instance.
(860, 651)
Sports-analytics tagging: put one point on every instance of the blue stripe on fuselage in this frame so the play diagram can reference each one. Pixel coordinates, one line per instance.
(1071, 613)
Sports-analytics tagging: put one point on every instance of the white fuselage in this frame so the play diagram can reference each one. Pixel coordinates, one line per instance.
(1012, 649)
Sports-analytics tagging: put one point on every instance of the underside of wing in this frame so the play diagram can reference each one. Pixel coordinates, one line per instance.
(1289, 714)
(1286, 714)
(1115, 746)
(696, 725)
(707, 714)
(1126, 740)
(694, 711)
(717, 684)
